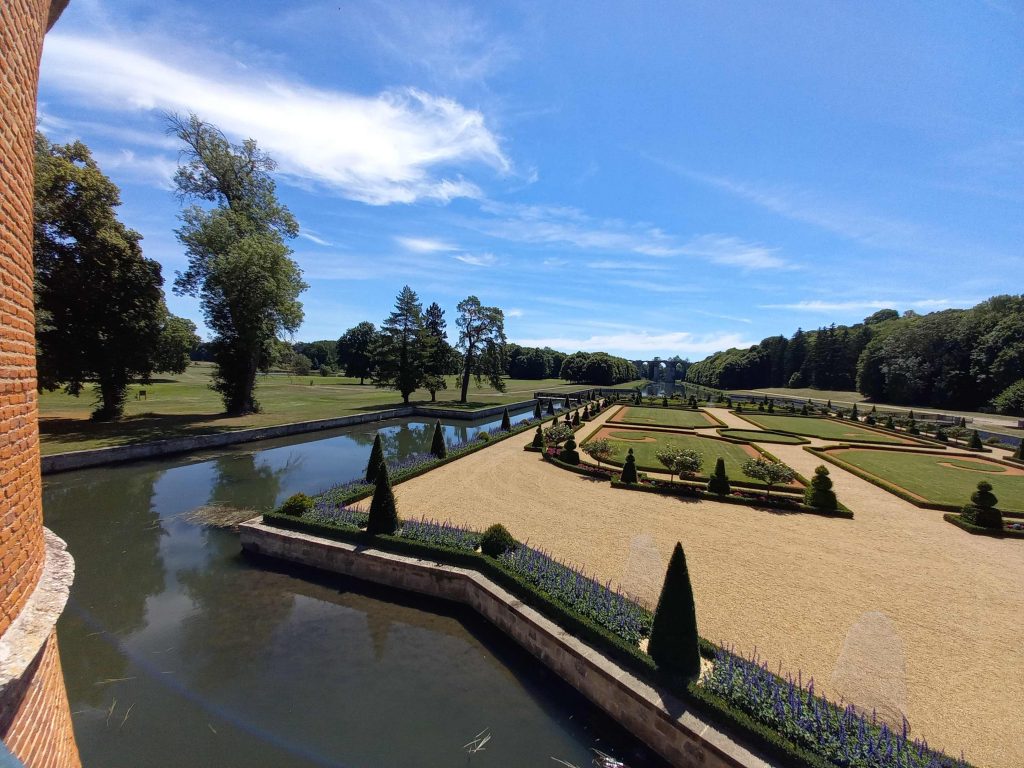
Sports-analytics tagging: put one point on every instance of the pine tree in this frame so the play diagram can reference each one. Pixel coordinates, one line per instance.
(719, 481)
(437, 444)
(383, 517)
(819, 493)
(506, 421)
(439, 351)
(376, 459)
(975, 444)
(628, 474)
(853, 413)
(674, 644)
(403, 347)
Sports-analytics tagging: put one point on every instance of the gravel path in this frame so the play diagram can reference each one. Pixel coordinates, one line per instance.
(895, 609)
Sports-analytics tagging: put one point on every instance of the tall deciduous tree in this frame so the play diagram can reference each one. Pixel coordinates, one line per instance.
(355, 350)
(401, 353)
(482, 341)
(100, 307)
(238, 263)
(178, 340)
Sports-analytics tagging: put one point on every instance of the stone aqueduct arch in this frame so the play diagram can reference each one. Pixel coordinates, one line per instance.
(668, 369)
(35, 569)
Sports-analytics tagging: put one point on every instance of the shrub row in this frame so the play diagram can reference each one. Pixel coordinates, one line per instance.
(1006, 533)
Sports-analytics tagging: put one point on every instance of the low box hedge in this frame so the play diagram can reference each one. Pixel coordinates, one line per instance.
(1006, 533)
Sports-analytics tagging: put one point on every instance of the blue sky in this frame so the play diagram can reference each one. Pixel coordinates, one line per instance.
(643, 178)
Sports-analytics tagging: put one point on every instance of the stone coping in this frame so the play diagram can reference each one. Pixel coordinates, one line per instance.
(94, 457)
(655, 717)
(25, 636)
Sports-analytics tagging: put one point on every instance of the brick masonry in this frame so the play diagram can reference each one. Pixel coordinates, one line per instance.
(34, 718)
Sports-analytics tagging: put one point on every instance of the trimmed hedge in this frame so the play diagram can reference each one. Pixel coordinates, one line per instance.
(757, 734)
(957, 520)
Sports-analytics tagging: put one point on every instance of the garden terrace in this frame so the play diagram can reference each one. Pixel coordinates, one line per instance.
(646, 442)
(944, 480)
(824, 428)
(663, 417)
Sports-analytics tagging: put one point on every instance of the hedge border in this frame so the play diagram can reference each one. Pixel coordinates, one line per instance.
(759, 735)
(885, 485)
(977, 530)
(716, 422)
(801, 439)
(911, 439)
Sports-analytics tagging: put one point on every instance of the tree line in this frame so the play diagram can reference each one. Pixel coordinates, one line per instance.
(956, 358)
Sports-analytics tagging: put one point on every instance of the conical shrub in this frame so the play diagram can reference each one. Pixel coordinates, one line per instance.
(538, 438)
(437, 444)
(628, 474)
(506, 421)
(576, 419)
(536, 410)
(1019, 453)
(674, 644)
(719, 481)
(819, 493)
(376, 459)
(383, 517)
(975, 444)
(551, 407)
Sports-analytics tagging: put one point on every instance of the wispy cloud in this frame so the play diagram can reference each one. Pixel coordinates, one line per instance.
(628, 344)
(478, 260)
(399, 146)
(514, 312)
(152, 169)
(424, 244)
(718, 316)
(841, 306)
(314, 238)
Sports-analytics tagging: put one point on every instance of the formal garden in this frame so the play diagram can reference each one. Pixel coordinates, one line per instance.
(846, 431)
(664, 417)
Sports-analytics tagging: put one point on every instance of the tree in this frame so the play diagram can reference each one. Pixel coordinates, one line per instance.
(1011, 399)
(439, 354)
(598, 450)
(322, 353)
(482, 342)
(355, 350)
(437, 444)
(100, 312)
(178, 340)
(238, 263)
(557, 433)
(819, 493)
(719, 481)
(383, 517)
(629, 469)
(300, 365)
(680, 461)
(674, 644)
(376, 459)
(771, 473)
(401, 353)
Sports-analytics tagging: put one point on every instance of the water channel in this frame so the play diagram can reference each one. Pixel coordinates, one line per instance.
(177, 650)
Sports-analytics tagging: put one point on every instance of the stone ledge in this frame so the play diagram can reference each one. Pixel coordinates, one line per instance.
(21, 642)
(656, 718)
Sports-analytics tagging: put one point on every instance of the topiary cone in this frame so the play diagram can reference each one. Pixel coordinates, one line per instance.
(628, 474)
(437, 444)
(376, 459)
(1019, 453)
(551, 407)
(719, 481)
(383, 517)
(975, 444)
(674, 644)
(536, 410)
(506, 421)
(819, 493)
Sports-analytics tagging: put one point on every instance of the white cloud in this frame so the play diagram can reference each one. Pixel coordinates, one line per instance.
(554, 263)
(396, 147)
(514, 312)
(150, 169)
(641, 344)
(424, 244)
(478, 260)
(840, 306)
(313, 238)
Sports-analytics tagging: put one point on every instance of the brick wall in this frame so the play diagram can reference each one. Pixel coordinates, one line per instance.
(35, 718)
(22, 25)
(35, 721)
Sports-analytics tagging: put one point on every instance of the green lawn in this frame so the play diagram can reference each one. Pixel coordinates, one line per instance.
(826, 429)
(663, 417)
(185, 405)
(622, 440)
(939, 479)
(754, 436)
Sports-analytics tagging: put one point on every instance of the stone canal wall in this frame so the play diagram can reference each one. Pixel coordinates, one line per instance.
(657, 719)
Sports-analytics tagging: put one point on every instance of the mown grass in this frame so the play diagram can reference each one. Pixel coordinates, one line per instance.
(181, 405)
(755, 436)
(826, 429)
(663, 417)
(939, 479)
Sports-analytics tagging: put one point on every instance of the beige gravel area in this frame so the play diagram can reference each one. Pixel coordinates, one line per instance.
(896, 609)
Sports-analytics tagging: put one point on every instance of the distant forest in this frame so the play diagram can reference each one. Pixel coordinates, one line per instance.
(957, 358)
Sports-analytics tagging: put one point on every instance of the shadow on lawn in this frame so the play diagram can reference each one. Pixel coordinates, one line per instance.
(70, 433)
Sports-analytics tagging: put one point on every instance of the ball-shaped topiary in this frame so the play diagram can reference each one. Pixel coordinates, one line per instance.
(719, 481)
(569, 453)
(628, 474)
(982, 509)
(296, 505)
(819, 493)
(383, 517)
(496, 541)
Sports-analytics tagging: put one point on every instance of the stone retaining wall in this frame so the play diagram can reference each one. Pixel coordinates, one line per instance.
(656, 718)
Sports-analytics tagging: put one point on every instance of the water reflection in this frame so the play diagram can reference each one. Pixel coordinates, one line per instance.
(178, 651)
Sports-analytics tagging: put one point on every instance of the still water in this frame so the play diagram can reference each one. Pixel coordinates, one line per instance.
(177, 650)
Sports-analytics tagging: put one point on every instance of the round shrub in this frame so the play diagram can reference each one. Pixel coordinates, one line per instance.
(569, 453)
(982, 509)
(941, 436)
(819, 493)
(296, 505)
(484, 436)
(629, 469)
(496, 541)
